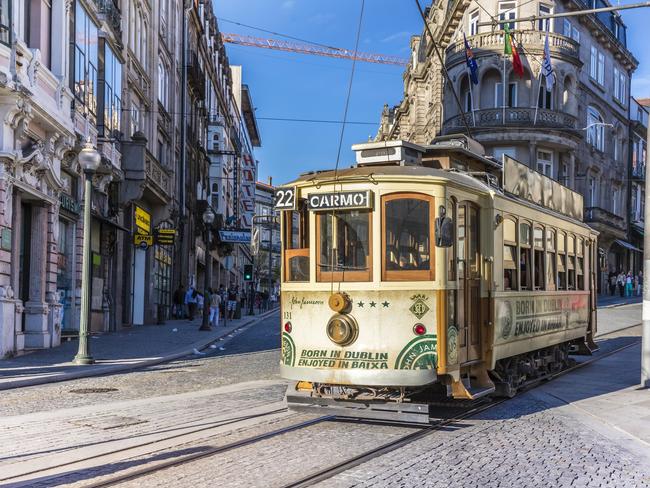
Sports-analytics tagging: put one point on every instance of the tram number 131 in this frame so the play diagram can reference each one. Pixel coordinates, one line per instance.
(285, 199)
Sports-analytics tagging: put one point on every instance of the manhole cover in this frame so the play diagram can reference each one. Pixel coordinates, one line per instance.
(85, 391)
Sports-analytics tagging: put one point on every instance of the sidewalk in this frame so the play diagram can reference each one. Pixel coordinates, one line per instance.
(115, 352)
(606, 301)
(605, 396)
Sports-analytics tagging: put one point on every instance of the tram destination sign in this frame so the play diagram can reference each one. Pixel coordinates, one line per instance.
(341, 200)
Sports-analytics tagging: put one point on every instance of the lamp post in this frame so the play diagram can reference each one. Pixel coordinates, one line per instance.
(89, 159)
(208, 218)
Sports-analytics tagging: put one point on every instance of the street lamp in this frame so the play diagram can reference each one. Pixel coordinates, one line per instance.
(208, 219)
(89, 160)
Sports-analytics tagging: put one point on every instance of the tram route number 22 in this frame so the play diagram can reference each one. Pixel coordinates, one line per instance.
(285, 199)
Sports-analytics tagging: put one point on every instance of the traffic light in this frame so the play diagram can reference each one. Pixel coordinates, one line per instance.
(248, 272)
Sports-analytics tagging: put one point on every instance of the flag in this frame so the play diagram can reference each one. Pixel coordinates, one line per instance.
(547, 68)
(510, 49)
(471, 62)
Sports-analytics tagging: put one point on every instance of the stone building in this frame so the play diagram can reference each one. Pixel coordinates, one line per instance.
(141, 80)
(268, 260)
(577, 133)
(638, 153)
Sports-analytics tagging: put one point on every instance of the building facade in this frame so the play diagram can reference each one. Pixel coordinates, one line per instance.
(576, 133)
(144, 82)
(638, 157)
(268, 259)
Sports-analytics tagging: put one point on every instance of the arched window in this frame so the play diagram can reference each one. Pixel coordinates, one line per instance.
(595, 128)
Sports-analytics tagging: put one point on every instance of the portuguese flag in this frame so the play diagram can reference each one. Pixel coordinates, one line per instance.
(509, 48)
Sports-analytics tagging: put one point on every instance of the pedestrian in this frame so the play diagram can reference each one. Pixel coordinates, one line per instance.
(612, 283)
(628, 284)
(639, 289)
(232, 301)
(215, 304)
(265, 300)
(178, 300)
(224, 300)
(258, 302)
(190, 301)
(620, 283)
(199, 303)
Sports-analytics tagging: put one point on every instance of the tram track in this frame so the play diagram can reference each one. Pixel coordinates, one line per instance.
(309, 480)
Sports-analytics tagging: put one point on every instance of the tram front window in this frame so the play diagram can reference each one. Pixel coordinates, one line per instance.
(408, 227)
(344, 241)
(296, 242)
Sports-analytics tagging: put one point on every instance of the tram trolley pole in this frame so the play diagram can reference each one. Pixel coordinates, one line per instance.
(645, 343)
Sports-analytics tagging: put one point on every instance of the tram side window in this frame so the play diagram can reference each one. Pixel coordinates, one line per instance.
(451, 251)
(551, 260)
(344, 246)
(407, 237)
(561, 261)
(509, 254)
(538, 244)
(296, 251)
(525, 256)
(571, 267)
(580, 264)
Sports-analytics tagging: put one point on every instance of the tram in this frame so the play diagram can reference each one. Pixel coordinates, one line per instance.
(430, 271)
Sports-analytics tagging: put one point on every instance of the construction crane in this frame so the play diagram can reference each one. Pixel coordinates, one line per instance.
(317, 50)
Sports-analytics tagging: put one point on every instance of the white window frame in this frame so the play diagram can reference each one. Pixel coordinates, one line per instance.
(615, 198)
(473, 22)
(567, 28)
(595, 131)
(601, 68)
(545, 24)
(575, 34)
(544, 163)
(505, 100)
(597, 66)
(592, 191)
(507, 11)
(135, 117)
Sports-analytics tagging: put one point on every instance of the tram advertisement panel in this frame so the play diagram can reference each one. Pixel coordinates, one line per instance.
(385, 340)
(531, 316)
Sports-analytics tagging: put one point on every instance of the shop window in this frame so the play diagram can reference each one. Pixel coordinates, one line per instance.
(509, 254)
(344, 246)
(407, 237)
(538, 242)
(296, 245)
(551, 261)
(525, 258)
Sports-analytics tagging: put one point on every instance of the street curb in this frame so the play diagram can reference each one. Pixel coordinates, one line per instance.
(117, 368)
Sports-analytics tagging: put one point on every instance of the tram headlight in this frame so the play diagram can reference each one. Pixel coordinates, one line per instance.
(342, 330)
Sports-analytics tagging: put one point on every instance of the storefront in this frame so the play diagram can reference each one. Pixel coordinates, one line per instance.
(67, 267)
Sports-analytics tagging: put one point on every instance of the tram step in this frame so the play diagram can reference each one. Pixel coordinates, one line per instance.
(411, 413)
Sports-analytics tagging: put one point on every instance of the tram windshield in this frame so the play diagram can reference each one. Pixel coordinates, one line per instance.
(344, 239)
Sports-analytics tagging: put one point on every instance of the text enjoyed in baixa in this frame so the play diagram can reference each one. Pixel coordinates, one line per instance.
(340, 200)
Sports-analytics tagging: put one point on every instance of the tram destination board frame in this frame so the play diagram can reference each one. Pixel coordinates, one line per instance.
(340, 200)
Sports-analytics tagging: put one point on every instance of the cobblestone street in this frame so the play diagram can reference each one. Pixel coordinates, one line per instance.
(540, 438)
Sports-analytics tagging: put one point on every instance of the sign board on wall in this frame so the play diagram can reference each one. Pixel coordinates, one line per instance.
(247, 202)
(235, 236)
(142, 220)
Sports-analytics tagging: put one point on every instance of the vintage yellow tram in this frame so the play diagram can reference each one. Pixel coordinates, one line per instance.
(430, 269)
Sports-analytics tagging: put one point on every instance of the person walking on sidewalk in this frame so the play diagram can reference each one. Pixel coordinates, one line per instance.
(639, 286)
(190, 301)
(620, 283)
(232, 302)
(215, 303)
(224, 300)
(628, 284)
(178, 300)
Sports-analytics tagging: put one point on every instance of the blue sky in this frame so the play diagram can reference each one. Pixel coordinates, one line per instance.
(289, 85)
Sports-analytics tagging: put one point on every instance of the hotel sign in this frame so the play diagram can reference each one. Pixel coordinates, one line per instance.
(342, 200)
(235, 236)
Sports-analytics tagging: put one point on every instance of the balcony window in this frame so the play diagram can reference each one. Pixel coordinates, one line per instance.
(545, 162)
(135, 117)
(544, 24)
(85, 60)
(595, 129)
(620, 85)
(597, 65)
(507, 11)
(163, 84)
(5, 21)
(615, 198)
(111, 102)
(473, 22)
(545, 97)
(512, 95)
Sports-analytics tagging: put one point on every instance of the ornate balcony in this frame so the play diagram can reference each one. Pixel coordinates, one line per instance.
(111, 14)
(533, 40)
(514, 117)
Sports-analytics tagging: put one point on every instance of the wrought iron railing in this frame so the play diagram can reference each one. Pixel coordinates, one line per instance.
(514, 117)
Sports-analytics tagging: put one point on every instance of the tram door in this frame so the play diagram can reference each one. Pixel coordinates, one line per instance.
(469, 297)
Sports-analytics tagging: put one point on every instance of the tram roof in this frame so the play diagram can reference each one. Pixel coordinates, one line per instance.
(392, 171)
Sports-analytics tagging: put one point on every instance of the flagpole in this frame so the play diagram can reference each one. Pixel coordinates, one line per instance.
(503, 91)
(536, 99)
(471, 99)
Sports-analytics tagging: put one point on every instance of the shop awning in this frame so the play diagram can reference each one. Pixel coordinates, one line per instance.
(627, 245)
